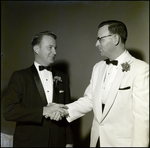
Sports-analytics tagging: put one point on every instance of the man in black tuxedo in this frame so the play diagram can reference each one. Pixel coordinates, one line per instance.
(32, 96)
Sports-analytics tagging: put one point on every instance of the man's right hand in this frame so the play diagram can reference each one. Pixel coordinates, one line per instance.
(55, 111)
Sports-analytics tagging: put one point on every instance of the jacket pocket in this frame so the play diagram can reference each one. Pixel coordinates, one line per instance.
(61, 91)
(128, 87)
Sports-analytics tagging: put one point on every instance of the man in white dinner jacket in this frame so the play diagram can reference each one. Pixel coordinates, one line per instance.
(118, 93)
(120, 90)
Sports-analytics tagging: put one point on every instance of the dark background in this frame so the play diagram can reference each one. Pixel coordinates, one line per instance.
(75, 24)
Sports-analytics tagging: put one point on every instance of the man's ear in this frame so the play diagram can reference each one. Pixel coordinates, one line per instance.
(117, 39)
(36, 49)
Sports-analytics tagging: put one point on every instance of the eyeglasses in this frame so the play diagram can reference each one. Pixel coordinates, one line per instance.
(100, 39)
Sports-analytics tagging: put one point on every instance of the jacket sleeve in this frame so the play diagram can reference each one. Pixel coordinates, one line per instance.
(15, 106)
(83, 105)
(141, 108)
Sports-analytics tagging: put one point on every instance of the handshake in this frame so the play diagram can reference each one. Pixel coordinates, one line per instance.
(55, 111)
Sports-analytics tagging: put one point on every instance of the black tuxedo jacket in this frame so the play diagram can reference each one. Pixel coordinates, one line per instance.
(24, 104)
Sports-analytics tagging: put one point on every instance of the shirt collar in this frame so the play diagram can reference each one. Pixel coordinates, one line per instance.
(37, 65)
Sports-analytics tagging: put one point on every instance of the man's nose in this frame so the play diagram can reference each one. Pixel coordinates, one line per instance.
(54, 51)
(97, 43)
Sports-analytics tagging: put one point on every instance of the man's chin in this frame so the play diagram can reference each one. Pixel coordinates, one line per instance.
(51, 62)
(101, 54)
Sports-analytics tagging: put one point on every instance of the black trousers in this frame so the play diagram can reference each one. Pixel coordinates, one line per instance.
(98, 141)
(103, 106)
(98, 145)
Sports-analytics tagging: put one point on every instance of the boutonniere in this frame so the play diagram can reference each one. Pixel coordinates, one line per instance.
(57, 79)
(125, 67)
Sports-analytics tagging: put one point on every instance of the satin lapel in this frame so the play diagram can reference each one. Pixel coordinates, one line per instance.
(101, 75)
(55, 90)
(115, 87)
(39, 85)
(113, 92)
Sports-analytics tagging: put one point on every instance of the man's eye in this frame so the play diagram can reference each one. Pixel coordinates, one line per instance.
(51, 47)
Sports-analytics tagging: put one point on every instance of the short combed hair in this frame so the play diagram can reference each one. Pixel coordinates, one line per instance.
(116, 27)
(38, 37)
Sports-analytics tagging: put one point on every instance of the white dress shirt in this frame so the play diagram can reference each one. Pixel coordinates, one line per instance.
(111, 72)
(47, 82)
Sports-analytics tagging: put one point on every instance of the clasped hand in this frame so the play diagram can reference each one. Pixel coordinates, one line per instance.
(55, 111)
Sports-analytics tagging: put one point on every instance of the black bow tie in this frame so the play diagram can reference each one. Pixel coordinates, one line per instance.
(45, 67)
(114, 62)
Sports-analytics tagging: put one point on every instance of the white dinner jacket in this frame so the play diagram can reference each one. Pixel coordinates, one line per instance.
(125, 119)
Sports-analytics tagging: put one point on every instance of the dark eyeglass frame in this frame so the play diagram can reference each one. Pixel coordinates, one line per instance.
(99, 39)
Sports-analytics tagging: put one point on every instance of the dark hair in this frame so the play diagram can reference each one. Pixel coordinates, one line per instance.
(116, 27)
(37, 39)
